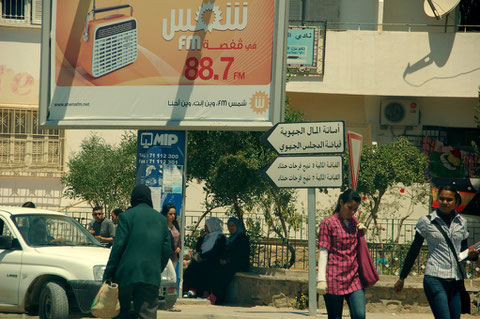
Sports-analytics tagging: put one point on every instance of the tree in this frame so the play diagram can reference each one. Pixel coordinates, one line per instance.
(102, 174)
(476, 148)
(228, 163)
(382, 167)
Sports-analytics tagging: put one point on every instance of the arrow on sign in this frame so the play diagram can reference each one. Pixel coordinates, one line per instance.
(306, 138)
(305, 171)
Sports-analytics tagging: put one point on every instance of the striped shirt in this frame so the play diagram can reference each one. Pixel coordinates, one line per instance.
(341, 242)
(441, 262)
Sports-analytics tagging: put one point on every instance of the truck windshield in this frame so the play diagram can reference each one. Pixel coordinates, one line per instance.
(47, 230)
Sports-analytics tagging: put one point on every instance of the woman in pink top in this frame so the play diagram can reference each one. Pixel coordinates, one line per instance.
(338, 277)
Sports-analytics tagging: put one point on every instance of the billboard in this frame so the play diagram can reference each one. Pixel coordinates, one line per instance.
(176, 64)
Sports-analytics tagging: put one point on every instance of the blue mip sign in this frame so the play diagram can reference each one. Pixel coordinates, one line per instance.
(160, 166)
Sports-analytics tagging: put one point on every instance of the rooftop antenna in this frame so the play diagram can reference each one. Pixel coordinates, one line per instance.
(438, 8)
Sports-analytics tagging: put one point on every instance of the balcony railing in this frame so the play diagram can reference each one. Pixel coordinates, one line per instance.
(409, 27)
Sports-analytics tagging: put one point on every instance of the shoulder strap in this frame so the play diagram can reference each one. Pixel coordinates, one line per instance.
(449, 243)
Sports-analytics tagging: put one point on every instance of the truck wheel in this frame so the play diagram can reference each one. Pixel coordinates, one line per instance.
(53, 302)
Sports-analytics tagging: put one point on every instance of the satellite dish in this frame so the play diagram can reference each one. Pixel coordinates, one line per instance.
(438, 8)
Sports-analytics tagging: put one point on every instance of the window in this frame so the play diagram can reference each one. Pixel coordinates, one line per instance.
(470, 15)
(4, 230)
(21, 11)
(313, 12)
(24, 148)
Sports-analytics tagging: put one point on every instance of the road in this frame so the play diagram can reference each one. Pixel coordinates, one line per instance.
(224, 312)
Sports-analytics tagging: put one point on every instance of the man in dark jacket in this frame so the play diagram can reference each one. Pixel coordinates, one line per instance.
(139, 254)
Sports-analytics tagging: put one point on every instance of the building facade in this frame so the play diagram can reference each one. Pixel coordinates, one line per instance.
(32, 160)
(388, 70)
(391, 70)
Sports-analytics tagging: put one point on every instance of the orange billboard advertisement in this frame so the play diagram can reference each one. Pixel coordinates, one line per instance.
(217, 60)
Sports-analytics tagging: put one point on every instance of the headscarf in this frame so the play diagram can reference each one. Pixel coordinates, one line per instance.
(141, 194)
(215, 229)
(237, 222)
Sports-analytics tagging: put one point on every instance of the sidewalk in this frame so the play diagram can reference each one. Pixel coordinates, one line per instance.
(188, 311)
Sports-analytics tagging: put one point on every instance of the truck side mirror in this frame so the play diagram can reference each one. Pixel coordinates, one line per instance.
(6, 242)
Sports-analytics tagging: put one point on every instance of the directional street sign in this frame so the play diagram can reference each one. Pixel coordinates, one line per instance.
(305, 171)
(306, 138)
(300, 166)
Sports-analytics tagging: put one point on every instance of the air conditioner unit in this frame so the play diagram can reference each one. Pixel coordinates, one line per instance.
(399, 112)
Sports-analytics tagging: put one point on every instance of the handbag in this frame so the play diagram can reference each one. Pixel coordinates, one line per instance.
(464, 295)
(366, 268)
(106, 304)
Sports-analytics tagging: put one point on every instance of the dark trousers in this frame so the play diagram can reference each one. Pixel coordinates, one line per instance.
(443, 295)
(355, 301)
(145, 301)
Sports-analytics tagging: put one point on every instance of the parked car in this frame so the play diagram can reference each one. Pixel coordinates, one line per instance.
(52, 266)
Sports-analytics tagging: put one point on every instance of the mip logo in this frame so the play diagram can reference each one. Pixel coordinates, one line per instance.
(151, 139)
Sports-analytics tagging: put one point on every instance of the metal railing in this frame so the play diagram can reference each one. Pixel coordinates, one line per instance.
(270, 251)
(371, 26)
(388, 258)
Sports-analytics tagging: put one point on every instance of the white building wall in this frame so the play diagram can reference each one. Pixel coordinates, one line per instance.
(397, 64)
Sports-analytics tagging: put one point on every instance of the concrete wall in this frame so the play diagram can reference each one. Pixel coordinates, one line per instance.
(397, 64)
(43, 191)
(278, 287)
(19, 66)
(362, 113)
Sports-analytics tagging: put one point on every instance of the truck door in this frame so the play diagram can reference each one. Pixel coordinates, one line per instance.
(10, 267)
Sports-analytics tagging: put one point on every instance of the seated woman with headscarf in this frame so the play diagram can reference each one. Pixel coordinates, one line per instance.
(236, 258)
(210, 247)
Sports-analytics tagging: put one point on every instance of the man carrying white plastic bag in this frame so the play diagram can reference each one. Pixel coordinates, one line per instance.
(139, 254)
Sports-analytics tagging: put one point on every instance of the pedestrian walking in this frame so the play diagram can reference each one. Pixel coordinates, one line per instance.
(338, 277)
(170, 213)
(139, 254)
(446, 233)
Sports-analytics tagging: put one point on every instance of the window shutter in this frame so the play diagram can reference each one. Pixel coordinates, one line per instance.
(36, 11)
(323, 10)
(295, 12)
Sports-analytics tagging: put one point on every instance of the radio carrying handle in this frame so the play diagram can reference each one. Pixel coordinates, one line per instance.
(95, 10)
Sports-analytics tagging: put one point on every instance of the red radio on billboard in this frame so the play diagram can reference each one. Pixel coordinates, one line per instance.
(110, 43)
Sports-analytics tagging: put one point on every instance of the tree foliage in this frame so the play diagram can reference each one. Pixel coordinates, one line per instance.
(384, 166)
(228, 162)
(102, 174)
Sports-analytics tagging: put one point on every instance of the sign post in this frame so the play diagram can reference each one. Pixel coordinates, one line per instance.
(300, 166)
(161, 165)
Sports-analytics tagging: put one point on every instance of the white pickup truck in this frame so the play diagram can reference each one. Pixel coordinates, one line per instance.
(52, 266)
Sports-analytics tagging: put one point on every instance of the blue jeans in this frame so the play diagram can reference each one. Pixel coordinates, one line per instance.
(355, 301)
(443, 296)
